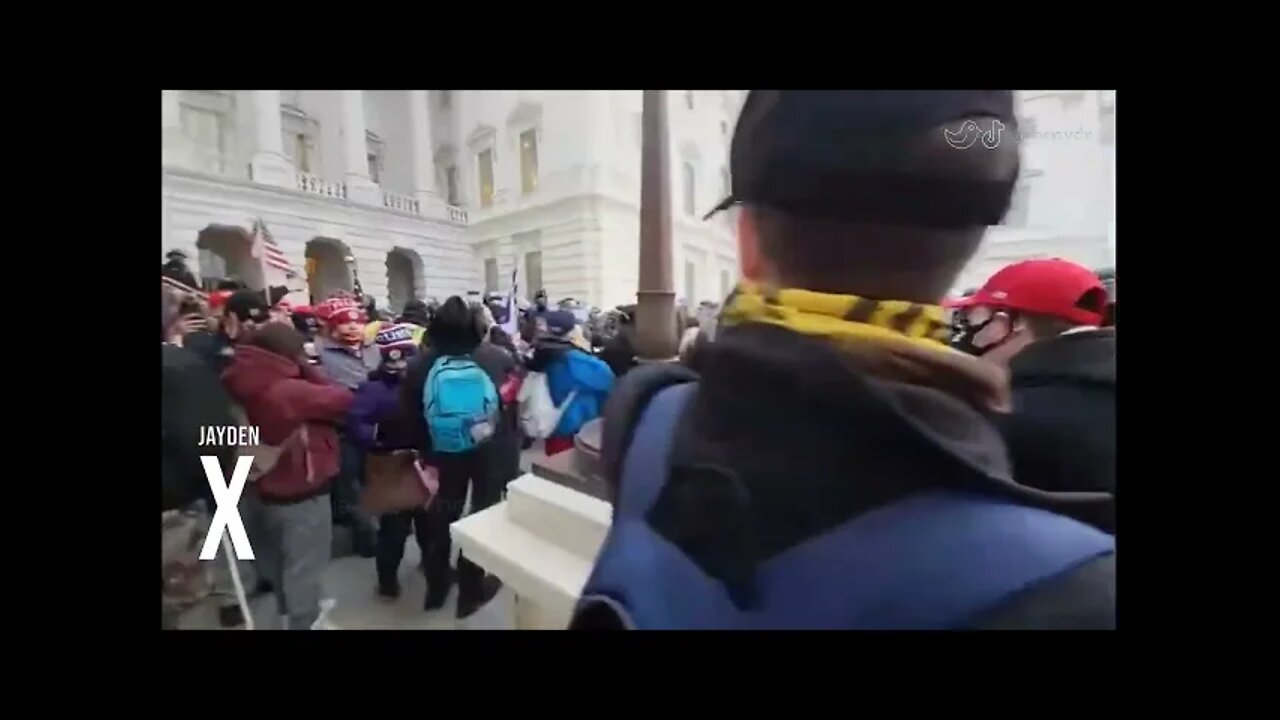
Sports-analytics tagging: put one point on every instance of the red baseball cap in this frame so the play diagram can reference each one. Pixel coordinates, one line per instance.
(1051, 287)
(218, 298)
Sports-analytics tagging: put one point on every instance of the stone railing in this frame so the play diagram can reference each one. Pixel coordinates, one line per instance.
(403, 203)
(319, 186)
(457, 214)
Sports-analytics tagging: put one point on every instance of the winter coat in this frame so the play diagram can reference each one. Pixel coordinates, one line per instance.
(1062, 432)
(190, 398)
(279, 396)
(349, 367)
(619, 351)
(570, 368)
(377, 420)
(214, 348)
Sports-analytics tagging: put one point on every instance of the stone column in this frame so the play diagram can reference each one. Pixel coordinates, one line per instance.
(269, 165)
(355, 150)
(422, 152)
(171, 141)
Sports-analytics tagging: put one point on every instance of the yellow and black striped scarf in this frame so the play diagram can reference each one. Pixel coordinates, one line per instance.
(838, 317)
(891, 339)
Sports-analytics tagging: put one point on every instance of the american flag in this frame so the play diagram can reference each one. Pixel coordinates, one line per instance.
(266, 249)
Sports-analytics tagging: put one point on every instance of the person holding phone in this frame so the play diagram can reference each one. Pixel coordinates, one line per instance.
(242, 311)
(191, 319)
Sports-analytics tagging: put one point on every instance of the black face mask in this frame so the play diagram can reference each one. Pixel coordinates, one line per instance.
(964, 332)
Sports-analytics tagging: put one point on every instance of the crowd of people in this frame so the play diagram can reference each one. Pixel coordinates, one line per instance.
(831, 450)
(340, 393)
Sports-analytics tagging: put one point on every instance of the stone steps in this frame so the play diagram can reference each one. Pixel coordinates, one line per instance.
(541, 542)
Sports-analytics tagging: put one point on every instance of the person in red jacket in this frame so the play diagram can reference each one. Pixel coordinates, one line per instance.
(296, 409)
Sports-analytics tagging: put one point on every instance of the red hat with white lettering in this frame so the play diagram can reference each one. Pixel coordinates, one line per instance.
(1055, 288)
(337, 311)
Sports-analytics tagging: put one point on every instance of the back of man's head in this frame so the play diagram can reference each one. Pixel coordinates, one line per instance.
(280, 339)
(884, 194)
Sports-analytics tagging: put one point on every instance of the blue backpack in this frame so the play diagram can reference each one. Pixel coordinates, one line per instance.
(935, 560)
(460, 403)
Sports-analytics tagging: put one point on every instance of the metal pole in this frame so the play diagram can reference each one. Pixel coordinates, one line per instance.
(655, 315)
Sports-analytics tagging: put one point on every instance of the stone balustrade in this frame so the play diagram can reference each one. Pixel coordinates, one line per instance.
(319, 186)
(403, 203)
(315, 185)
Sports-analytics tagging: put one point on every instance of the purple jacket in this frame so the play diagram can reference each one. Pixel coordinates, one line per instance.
(376, 420)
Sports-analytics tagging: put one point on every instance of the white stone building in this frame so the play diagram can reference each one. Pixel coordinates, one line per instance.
(1065, 204)
(442, 192)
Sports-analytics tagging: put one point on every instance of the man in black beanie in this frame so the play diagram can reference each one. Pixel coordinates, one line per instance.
(416, 312)
(834, 467)
(244, 310)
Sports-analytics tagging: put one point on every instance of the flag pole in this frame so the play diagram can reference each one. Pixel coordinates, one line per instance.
(260, 254)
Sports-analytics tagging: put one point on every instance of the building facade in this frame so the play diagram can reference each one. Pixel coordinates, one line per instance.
(1065, 203)
(552, 187)
(433, 193)
(439, 192)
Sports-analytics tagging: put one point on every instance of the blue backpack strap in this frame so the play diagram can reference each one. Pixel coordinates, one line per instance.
(626, 558)
(627, 402)
(644, 468)
(936, 560)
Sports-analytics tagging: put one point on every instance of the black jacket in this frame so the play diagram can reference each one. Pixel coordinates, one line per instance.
(1062, 433)
(190, 397)
(496, 362)
(214, 348)
(810, 443)
(619, 352)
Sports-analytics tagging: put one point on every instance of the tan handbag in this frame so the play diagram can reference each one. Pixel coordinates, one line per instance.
(396, 482)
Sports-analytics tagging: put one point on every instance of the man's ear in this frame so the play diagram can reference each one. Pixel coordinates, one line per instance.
(750, 260)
